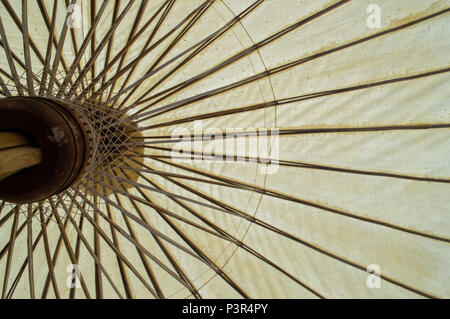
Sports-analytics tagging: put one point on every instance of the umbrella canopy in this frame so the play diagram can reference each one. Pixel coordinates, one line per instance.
(261, 149)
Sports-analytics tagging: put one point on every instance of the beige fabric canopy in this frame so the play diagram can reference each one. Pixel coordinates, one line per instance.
(337, 179)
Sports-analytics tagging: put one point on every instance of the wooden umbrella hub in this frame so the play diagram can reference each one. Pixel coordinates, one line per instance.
(45, 147)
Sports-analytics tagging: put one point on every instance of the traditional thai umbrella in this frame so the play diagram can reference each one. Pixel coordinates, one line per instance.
(199, 149)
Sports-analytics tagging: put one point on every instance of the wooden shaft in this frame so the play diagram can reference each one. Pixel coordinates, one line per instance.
(8, 140)
(16, 154)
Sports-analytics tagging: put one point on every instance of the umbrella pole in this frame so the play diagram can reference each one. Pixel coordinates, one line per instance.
(16, 154)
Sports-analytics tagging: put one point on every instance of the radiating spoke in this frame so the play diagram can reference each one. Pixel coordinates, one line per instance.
(194, 19)
(99, 49)
(134, 242)
(111, 40)
(30, 251)
(207, 156)
(26, 47)
(301, 201)
(256, 221)
(67, 244)
(27, 261)
(290, 100)
(58, 53)
(199, 47)
(92, 253)
(145, 52)
(51, 268)
(4, 89)
(133, 37)
(51, 40)
(12, 240)
(9, 58)
(278, 69)
(172, 90)
(147, 43)
(90, 38)
(178, 268)
(221, 233)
